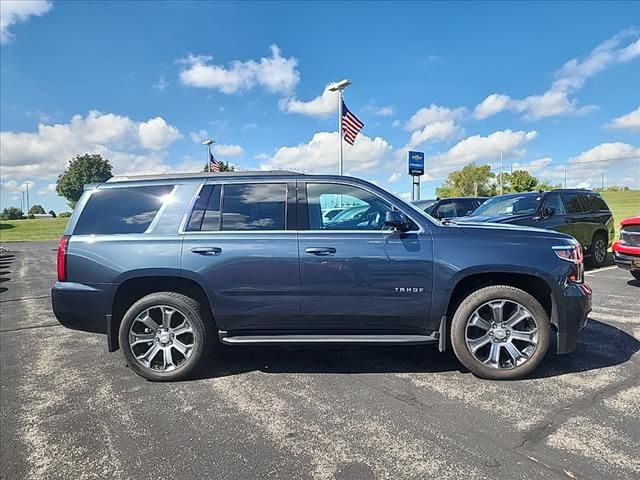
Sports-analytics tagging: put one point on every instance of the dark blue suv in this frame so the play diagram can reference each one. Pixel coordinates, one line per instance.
(169, 266)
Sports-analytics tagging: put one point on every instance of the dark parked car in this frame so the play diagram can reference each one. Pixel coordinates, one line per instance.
(580, 213)
(450, 207)
(168, 266)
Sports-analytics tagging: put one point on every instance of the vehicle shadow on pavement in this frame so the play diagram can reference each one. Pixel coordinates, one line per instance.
(5, 262)
(600, 346)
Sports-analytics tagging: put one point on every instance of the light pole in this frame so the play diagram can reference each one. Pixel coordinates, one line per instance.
(208, 143)
(339, 87)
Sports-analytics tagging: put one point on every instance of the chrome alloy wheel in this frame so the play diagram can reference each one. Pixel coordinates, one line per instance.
(161, 338)
(599, 250)
(501, 334)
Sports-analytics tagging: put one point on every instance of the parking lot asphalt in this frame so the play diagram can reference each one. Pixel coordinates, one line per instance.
(70, 409)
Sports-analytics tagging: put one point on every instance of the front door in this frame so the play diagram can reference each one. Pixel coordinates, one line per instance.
(240, 243)
(558, 221)
(357, 276)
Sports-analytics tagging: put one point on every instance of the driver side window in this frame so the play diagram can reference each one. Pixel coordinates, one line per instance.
(358, 208)
(554, 201)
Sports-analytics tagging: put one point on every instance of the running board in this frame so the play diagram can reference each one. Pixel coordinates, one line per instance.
(342, 339)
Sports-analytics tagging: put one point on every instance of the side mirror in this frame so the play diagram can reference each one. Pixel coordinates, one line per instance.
(397, 220)
(548, 212)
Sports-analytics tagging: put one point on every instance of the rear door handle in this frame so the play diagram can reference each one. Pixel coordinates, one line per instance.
(207, 250)
(320, 250)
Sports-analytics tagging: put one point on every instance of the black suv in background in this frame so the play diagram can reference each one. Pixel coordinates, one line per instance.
(450, 207)
(583, 214)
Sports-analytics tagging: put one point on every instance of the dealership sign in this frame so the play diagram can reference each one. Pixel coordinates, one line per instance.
(416, 163)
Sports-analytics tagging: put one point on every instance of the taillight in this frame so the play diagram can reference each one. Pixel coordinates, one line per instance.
(573, 254)
(63, 245)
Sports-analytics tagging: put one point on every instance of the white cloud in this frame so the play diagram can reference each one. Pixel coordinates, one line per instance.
(532, 166)
(249, 126)
(480, 149)
(433, 132)
(433, 114)
(396, 123)
(228, 150)
(322, 106)
(161, 84)
(49, 189)
(276, 73)
(132, 146)
(320, 154)
(19, 11)
(157, 134)
(395, 176)
(606, 154)
(630, 121)
(568, 79)
(199, 136)
(385, 111)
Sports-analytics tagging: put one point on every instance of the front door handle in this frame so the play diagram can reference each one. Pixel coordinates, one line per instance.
(207, 250)
(320, 250)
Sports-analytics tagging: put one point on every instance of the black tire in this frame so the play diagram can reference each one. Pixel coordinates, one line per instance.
(201, 325)
(474, 301)
(598, 250)
(636, 274)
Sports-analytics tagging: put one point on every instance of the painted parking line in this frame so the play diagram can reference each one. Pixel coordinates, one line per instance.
(603, 269)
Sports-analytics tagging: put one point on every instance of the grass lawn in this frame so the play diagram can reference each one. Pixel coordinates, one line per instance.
(35, 229)
(623, 204)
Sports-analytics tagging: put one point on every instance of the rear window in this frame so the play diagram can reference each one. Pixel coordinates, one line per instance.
(260, 206)
(121, 210)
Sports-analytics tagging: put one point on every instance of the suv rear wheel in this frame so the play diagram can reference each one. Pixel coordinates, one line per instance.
(500, 333)
(164, 336)
(598, 250)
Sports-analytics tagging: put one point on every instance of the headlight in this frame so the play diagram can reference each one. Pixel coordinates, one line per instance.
(572, 254)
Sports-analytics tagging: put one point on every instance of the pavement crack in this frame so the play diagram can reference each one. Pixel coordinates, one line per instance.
(557, 418)
(22, 299)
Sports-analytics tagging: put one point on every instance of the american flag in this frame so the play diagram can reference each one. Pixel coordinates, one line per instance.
(351, 126)
(214, 165)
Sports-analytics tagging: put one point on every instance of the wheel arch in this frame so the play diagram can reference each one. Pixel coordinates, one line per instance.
(135, 287)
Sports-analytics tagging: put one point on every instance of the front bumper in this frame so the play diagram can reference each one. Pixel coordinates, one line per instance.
(571, 311)
(625, 255)
(79, 306)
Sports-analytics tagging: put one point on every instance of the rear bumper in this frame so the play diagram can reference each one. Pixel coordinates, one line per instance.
(79, 306)
(572, 310)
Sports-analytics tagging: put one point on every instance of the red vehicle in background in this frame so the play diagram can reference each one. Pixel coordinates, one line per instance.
(626, 251)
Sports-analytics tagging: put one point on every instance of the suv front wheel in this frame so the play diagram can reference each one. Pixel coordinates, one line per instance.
(500, 333)
(164, 336)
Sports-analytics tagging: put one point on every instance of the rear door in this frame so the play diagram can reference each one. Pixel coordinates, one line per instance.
(241, 243)
(576, 217)
(360, 277)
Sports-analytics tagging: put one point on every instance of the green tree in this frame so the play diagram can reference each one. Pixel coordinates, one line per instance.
(471, 180)
(546, 185)
(520, 181)
(83, 169)
(52, 213)
(224, 167)
(11, 213)
(36, 209)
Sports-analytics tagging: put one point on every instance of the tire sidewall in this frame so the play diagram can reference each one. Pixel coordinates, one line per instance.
(186, 305)
(474, 301)
(592, 260)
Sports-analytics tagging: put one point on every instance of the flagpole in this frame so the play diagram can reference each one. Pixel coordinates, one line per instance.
(208, 144)
(341, 167)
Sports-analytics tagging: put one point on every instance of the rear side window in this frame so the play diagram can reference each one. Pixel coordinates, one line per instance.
(121, 210)
(206, 212)
(593, 203)
(259, 206)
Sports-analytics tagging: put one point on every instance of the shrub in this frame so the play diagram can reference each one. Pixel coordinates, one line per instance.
(64, 214)
(11, 213)
(31, 216)
(52, 213)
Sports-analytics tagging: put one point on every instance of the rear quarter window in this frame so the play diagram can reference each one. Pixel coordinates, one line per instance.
(121, 210)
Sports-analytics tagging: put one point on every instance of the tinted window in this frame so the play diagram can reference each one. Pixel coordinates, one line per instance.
(446, 210)
(593, 202)
(121, 210)
(553, 201)
(571, 203)
(465, 205)
(362, 210)
(206, 212)
(519, 204)
(259, 206)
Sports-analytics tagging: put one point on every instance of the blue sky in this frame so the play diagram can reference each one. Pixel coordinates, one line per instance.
(553, 86)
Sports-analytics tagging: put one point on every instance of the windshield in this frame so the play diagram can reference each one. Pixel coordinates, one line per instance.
(524, 204)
